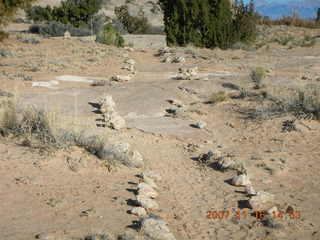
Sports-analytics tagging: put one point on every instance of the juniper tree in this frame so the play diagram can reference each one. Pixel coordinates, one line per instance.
(207, 23)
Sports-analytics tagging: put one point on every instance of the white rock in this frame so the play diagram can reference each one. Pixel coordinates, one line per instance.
(164, 51)
(121, 78)
(183, 76)
(136, 158)
(241, 180)
(145, 189)
(152, 175)
(147, 203)
(272, 211)
(150, 181)
(139, 211)
(200, 124)
(129, 68)
(130, 61)
(129, 235)
(154, 228)
(261, 200)
(67, 35)
(189, 71)
(121, 153)
(107, 104)
(129, 49)
(167, 60)
(179, 60)
(115, 121)
(250, 190)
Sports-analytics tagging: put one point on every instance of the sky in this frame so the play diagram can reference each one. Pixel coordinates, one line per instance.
(279, 8)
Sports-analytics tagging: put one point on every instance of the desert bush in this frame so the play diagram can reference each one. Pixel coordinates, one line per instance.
(110, 36)
(8, 10)
(39, 126)
(56, 29)
(243, 46)
(4, 53)
(8, 116)
(291, 41)
(257, 76)
(218, 97)
(133, 24)
(302, 103)
(3, 35)
(30, 40)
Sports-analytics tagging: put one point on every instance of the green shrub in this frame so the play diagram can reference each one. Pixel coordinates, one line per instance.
(78, 13)
(110, 36)
(133, 24)
(205, 23)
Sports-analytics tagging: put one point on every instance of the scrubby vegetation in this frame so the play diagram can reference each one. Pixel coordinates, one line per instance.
(219, 97)
(110, 36)
(210, 24)
(79, 18)
(39, 129)
(8, 10)
(302, 103)
(133, 24)
(257, 76)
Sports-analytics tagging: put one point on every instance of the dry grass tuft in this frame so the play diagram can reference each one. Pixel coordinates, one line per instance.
(219, 97)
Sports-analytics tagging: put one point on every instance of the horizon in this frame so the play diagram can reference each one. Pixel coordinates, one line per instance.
(276, 9)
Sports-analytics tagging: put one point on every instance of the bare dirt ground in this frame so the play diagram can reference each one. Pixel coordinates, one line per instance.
(40, 193)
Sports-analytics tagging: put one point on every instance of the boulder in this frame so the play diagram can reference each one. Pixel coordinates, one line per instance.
(121, 78)
(165, 51)
(139, 211)
(261, 201)
(155, 176)
(67, 35)
(114, 121)
(167, 59)
(200, 124)
(179, 60)
(241, 180)
(128, 235)
(154, 228)
(106, 104)
(150, 182)
(250, 190)
(147, 202)
(145, 189)
(100, 236)
(121, 153)
(130, 61)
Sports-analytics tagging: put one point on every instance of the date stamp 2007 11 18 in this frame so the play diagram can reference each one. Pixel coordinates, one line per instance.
(238, 214)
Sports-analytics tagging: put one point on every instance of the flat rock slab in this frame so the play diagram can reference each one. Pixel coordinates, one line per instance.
(166, 126)
(69, 78)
